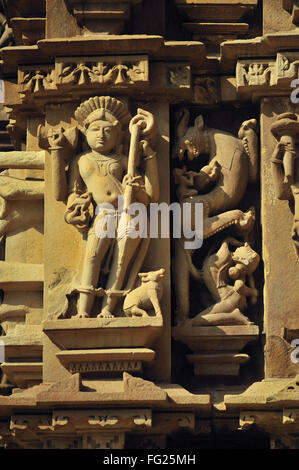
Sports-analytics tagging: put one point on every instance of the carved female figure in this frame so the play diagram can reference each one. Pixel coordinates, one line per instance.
(98, 177)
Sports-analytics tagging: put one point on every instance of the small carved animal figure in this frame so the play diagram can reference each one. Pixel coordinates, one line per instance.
(146, 296)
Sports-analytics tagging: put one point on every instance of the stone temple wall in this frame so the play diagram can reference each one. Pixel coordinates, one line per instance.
(149, 224)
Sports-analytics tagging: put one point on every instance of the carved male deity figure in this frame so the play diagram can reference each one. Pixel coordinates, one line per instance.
(97, 178)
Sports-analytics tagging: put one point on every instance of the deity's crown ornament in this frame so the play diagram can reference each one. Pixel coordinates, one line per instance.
(103, 108)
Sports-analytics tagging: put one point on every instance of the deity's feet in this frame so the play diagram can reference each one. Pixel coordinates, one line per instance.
(80, 315)
(240, 319)
(235, 317)
(246, 222)
(105, 313)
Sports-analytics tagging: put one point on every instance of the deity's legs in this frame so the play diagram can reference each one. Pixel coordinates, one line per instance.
(96, 249)
(124, 251)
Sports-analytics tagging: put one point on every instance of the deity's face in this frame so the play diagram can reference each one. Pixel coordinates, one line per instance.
(103, 136)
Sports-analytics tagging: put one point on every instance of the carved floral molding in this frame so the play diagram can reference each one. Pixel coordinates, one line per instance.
(76, 74)
(266, 73)
(102, 71)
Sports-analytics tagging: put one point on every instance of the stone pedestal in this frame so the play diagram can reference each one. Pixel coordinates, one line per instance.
(217, 350)
(215, 23)
(103, 348)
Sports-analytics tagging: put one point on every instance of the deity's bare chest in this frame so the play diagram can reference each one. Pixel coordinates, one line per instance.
(102, 176)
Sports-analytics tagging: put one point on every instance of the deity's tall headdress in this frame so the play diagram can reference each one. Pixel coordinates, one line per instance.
(104, 108)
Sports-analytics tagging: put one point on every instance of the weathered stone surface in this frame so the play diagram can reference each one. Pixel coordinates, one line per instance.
(159, 102)
(279, 253)
(33, 160)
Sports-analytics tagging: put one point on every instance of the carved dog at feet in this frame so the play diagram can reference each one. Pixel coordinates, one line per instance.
(146, 296)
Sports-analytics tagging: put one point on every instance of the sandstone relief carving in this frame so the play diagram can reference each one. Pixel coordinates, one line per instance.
(287, 65)
(206, 90)
(76, 73)
(257, 73)
(146, 296)
(102, 71)
(179, 75)
(21, 203)
(220, 186)
(220, 269)
(103, 183)
(260, 76)
(6, 34)
(285, 166)
(33, 80)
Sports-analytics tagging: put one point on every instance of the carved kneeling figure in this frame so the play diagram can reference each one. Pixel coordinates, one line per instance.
(218, 271)
(146, 296)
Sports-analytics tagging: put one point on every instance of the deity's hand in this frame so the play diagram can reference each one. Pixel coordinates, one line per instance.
(147, 124)
(56, 138)
(208, 174)
(78, 212)
(146, 149)
(212, 171)
(136, 182)
(281, 148)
